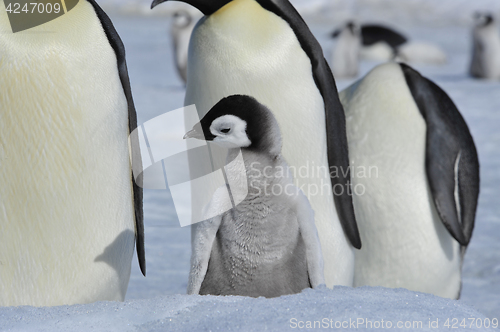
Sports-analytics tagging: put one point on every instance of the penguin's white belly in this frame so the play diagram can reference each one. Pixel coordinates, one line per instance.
(181, 38)
(66, 214)
(491, 62)
(252, 51)
(380, 51)
(486, 55)
(404, 241)
(422, 52)
(345, 56)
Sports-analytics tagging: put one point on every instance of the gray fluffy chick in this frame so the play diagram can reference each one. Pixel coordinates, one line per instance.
(268, 244)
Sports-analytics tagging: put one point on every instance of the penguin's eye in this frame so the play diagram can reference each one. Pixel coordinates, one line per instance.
(225, 130)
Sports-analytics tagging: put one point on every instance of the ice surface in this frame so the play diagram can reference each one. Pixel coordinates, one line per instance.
(365, 308)
(151, 301)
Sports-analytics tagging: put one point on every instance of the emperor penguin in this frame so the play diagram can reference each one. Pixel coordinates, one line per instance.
(379, 42)
(485, 62)
(263, 48)
(70, 210)
(182, 27)
(345, 55)
(421, 52)
(415, 181)
(268, 244)
(375, 33)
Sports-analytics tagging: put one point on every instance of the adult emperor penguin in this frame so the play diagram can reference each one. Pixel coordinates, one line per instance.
(268, 244)
(69, 209)
(345, 55)
(375, 33)
(415, 178)
(421, 52)
(182, 27)
(379, 42)
(485, 61)
(263, 48)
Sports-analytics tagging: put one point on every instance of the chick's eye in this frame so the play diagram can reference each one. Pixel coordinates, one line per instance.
(225, 131)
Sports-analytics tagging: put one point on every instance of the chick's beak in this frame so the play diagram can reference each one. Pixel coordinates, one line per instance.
(194, 134)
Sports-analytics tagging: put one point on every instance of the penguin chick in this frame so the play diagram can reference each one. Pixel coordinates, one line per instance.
(345, 55)
(485, 61)
(182, 27)
(268, 244)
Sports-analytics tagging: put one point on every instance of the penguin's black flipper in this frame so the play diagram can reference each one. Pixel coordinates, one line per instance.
(452, 163)
(374, 33)
(338, 155)
(117, 45)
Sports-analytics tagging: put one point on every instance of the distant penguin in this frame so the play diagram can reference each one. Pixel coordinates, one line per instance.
(375, 33)
(415, 181)
(485, 61)
(379, 42)
(182, 27)
(263, 48)
(69, 208)
(345, 55)
(267, 245)
(377, 52)
(421, 52)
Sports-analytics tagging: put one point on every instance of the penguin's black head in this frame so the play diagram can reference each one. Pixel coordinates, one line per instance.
(240, 121)
(351, 26)
(207, 7)
(483, 19)
(182, 19)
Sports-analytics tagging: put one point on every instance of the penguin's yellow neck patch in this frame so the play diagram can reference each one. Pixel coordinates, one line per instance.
(247, 20)
(235, 5)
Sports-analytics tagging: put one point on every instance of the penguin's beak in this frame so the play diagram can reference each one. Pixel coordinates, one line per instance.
(156, 3)
(194, 134)
(207, 7)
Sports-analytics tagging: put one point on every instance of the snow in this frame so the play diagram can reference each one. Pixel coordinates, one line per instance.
(154, 303)
(365, 308)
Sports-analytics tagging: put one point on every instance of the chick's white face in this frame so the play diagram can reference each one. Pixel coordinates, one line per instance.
(230, 132)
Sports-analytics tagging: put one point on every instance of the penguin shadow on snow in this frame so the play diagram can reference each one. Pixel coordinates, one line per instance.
(117, 249)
